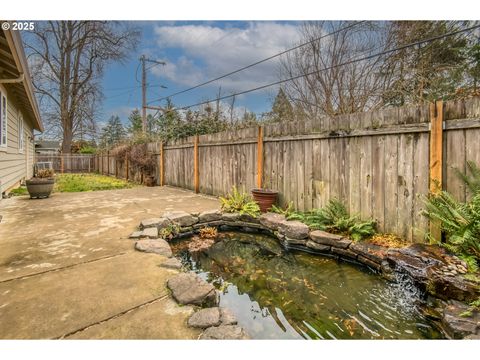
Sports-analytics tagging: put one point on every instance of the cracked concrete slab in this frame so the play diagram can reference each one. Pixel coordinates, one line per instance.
(66, 263)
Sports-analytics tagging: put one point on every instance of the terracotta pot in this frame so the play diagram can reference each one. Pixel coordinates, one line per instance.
(40, 188)
(265, 198)
(149, 181)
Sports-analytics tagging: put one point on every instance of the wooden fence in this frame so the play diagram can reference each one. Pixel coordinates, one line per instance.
(380, 164)
(69, 163)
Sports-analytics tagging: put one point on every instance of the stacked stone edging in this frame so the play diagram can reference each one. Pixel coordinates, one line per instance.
(432, 268)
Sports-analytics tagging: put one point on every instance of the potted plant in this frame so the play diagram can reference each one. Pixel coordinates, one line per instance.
(41, 185)
(265, 198)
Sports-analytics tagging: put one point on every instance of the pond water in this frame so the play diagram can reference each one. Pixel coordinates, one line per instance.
(292, 295)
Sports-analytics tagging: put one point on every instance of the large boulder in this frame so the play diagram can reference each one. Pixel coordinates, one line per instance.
(325, 238)
(154, 222)
(188, 288)
(209, 215)
(181, 218)
(205, 318)
(293, 229)
(156, 246)
(224, 332)
(272, 220)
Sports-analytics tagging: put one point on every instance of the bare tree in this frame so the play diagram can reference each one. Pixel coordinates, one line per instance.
(68, 59)
(333, 88)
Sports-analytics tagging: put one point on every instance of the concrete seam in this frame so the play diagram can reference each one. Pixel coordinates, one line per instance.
(62, 268)
(150, 302)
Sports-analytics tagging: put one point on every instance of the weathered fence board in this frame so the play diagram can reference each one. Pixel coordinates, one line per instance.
(69, 163)
(377, 163)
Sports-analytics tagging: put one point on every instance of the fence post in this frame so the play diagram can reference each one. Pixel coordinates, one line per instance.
(61, 163)
(108, 162)
(260, 157)
(126, 168)
(160, 169)
(436, 156)
(196, 183)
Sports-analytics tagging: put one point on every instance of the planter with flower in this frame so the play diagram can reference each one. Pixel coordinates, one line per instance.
(41, 185)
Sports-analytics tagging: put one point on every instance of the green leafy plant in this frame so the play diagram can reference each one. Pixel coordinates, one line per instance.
(334, 217)
(473, 306)
(239, 202)
(169, 232)
(460, 222)
(471, 178)
(287, 210)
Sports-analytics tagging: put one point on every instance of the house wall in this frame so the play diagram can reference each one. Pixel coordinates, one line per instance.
(15, 165)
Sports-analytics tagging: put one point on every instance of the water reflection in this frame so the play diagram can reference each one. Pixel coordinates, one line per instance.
(285, 295)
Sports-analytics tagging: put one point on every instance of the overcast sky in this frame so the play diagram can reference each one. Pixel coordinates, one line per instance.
(196, 52)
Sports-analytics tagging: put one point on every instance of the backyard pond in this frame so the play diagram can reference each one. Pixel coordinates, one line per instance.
(291, 295)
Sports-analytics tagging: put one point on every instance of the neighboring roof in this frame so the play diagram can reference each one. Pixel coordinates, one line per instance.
(13, 64)
(47, 144)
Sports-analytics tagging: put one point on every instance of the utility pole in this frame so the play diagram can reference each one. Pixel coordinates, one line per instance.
(144, 59)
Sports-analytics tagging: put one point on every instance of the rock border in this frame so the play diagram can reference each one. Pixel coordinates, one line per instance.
(435, 271)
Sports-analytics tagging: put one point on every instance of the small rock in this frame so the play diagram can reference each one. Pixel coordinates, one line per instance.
(319, 247)
(156, 246)
(205, 318)
(154, 222)
(172, 263)
(227, 317)
(151, 233)
(272, 220)
(135, 235)
(325, 238)
(224, 332)
(294, 229)
(209, 215)
(188, 288)
(181, 218)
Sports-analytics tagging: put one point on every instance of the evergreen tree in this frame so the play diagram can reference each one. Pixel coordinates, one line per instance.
(281, 109)
(113, 132)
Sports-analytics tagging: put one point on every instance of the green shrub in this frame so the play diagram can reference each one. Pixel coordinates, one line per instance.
(471, 178)
(287, 211)
(460, 222)
(335, 218)
(239, 202)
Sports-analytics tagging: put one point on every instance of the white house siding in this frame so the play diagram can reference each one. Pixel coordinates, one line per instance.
(15, 166)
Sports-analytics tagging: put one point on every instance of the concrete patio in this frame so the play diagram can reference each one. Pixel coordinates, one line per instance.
(68, 269)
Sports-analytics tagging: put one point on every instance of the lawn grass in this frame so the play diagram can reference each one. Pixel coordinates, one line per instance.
(88, 182)
(22, 190)
(80, 183)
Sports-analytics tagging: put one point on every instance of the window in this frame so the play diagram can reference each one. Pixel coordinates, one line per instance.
(3, 120)
(21, 136)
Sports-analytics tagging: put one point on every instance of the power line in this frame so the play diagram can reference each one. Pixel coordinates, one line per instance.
(258, 62)
(335, 66)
